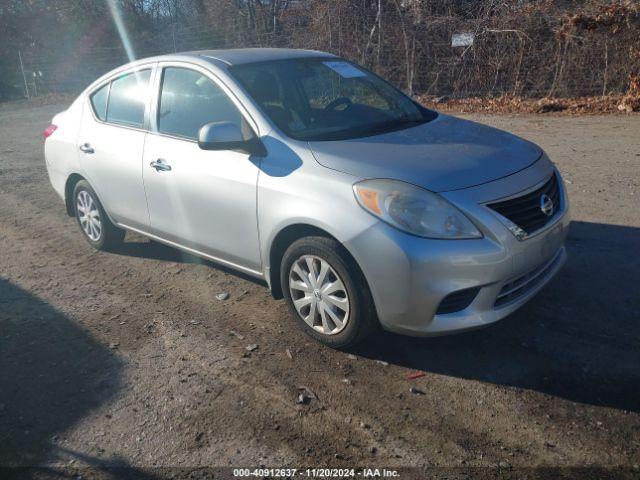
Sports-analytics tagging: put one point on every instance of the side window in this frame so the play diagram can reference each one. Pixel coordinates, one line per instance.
(128, 97)
(190, 100)
(99, 102)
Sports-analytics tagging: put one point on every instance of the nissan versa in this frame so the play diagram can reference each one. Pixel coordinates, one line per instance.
(357, 205)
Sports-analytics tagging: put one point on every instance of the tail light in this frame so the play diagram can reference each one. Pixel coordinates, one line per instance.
(49, 130)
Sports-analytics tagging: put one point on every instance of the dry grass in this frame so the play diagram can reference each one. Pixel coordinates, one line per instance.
(608, 104)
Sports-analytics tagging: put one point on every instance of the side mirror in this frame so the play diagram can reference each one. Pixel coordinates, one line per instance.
(228, 136)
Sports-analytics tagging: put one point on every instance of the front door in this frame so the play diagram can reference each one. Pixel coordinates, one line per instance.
(203, 200)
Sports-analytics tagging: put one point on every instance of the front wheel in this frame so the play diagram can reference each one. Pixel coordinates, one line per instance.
(327, 293)
(93, 220)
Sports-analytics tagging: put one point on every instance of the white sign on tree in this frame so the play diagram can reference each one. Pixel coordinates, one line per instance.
(464, 39)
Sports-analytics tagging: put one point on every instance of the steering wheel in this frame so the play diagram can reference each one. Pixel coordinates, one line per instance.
(333, 104)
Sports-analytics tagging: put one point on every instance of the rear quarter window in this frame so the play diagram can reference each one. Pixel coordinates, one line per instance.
(99, 102)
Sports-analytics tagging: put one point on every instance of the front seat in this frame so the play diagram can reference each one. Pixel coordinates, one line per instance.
(267, 93)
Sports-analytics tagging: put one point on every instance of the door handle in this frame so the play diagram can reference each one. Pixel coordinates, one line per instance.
(160, 165)
(86, 148)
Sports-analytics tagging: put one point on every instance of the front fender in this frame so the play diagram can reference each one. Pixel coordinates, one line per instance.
(308, 195)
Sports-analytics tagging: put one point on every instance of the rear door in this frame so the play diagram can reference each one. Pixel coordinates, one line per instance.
(111, 144)
(203, 200)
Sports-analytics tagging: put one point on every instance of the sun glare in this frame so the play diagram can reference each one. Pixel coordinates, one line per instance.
(122, 30)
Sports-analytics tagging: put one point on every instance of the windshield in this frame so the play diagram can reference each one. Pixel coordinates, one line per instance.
(328, 99)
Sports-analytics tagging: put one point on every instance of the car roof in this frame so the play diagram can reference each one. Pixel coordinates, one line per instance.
(238, 56)
(228, 57)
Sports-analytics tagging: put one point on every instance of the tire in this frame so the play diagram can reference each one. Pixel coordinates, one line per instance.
(96, 228)
(342, 280)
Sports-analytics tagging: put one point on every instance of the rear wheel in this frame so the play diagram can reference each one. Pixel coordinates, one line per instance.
(93, 220)
(326, 292)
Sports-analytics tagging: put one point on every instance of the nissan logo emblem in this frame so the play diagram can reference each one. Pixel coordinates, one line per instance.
(546, 205)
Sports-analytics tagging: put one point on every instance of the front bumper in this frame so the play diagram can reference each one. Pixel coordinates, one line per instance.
(409, 276)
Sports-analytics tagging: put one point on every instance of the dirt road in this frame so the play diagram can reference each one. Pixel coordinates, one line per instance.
(129, 359)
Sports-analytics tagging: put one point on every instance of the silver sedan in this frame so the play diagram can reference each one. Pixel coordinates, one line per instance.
(360, 207)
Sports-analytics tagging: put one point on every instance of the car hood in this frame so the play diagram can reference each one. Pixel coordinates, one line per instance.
(447, 153)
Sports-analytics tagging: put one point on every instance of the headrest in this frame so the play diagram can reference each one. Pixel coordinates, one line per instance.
(265, 87)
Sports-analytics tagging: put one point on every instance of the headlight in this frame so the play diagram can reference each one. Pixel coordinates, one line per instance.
(413, 209)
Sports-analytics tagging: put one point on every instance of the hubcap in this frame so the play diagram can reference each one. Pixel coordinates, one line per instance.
(88, 215)
(319, 295)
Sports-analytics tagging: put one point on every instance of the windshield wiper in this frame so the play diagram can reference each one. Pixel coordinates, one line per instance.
(367, 130)
(393, 124)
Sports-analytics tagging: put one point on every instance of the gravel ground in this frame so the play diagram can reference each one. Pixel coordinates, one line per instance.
(129, 360)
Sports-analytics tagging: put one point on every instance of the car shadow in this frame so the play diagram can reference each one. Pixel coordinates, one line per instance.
(579, 339)
(139, 247)
(52, 374)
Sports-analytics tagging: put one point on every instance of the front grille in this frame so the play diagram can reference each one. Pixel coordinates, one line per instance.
(522, 285)
(456, 301)
(525, 210)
